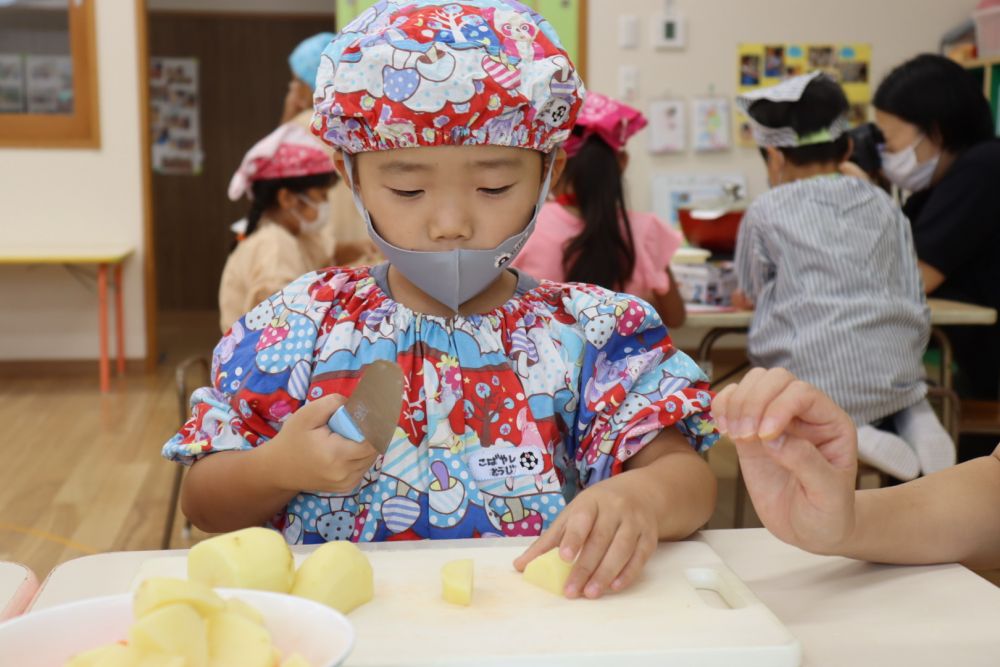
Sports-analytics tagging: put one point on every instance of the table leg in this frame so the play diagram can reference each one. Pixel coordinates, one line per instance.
(102, 319)
(119, 319)
(704, 359)
(945, 375)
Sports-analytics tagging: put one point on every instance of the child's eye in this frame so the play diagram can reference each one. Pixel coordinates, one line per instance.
(406, 194)
(494, 192)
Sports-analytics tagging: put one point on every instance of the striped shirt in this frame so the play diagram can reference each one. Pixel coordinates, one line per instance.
(830, 265)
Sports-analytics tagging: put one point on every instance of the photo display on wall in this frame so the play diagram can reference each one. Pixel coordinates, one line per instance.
(763, 65)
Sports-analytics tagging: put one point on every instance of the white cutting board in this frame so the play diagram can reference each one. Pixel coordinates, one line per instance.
(663, 620)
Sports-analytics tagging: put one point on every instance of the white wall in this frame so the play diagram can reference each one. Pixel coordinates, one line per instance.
(897, 29)
(60, 198)
(245, 6)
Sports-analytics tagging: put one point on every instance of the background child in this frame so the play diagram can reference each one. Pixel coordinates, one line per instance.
(303, 62)
(578, 388)
(587, 234)
(798, 454)
(828, 263)
(352, 246)
(286, 177)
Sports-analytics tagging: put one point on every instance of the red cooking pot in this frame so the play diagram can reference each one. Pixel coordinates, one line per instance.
(714, 224)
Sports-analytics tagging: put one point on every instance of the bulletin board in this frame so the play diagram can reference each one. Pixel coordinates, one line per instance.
(762, 65)
(568, 17)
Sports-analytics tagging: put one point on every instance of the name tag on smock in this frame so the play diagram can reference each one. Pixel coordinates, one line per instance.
(492, 463)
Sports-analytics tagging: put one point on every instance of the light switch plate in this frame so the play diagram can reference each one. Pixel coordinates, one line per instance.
(628, 31)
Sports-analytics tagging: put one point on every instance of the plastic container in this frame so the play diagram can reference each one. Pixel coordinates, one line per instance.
(987, 18)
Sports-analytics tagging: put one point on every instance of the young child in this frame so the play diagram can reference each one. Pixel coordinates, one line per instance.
(352, 246)
(303, 62)
(574, 392)
(587, 234)
(798, 454)
(286, 176)
(827, 261)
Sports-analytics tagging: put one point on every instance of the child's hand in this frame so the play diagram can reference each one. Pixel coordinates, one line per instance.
(314, 458)
(798, 453)
(741, 301)
(609, 530)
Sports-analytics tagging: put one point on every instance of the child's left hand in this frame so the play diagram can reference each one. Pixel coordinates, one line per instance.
(612, 528)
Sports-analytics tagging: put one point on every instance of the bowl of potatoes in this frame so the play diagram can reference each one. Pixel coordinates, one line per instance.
(198, 621)
(180, 623)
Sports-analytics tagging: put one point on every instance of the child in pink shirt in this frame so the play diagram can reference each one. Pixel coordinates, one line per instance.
(585, 232)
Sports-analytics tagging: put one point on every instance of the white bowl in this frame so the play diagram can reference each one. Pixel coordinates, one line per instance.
(50, 637)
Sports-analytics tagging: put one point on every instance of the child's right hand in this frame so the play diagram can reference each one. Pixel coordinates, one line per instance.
(314, 458)
(798, 454)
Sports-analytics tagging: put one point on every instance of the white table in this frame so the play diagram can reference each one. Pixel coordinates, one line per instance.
(724, 321)
(846, 613)
(17, 588)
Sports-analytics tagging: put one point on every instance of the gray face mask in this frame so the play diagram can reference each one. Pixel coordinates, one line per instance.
(452, 277)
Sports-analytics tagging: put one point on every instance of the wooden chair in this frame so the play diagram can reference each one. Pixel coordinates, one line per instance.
(183, 397)
(980, 418)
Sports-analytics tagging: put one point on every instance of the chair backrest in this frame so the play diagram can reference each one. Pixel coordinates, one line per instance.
(184, 388)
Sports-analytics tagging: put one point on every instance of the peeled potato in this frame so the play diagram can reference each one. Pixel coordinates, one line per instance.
(160, 660)
(112, 655)
(157, 592)
(236, 641)
(549, 571)
(240, 607)
(295, 660)
(175, 630)
(456, 582)
(255, 558)
(338, 575)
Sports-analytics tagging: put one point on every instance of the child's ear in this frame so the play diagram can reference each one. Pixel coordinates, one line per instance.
(775, 158)
(623, 161)
(286, 199)
(559, 165)
(341, 166)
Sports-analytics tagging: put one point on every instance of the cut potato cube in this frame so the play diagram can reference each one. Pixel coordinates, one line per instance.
(255, 558)
(175, 629)
(337, 574)
(549, 571)
(456, 582)
(236, 641)
(161, 660)
(237, 606)
(157, 592)
(295, 660)
(112, 655)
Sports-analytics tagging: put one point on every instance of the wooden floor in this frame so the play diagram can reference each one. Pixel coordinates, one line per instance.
(81, 473)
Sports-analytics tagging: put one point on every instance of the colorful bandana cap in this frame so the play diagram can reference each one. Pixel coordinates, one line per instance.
(613, 121)
(304, 60)
(789, 90)
(432, 72)
(288, 152)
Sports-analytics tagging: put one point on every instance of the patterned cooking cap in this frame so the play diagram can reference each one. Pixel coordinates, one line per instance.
(288, 152)
(613, 121)
(433, 72)
(304, 59)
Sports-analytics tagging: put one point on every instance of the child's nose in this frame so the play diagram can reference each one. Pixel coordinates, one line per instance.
(451, 223)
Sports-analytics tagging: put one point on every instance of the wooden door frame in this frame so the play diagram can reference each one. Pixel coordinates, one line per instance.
(145, 146)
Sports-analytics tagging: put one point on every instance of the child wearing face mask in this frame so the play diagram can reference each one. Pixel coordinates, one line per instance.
(286, 176)
(827, 263)
(531, 408)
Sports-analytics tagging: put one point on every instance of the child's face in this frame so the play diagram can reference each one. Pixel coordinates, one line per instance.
(450, 197)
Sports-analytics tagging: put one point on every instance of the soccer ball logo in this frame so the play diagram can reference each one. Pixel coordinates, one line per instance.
(529, 461)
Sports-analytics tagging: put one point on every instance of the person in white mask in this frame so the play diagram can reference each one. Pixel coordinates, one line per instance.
(559, 412)
(940, 149)
(286, 177)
